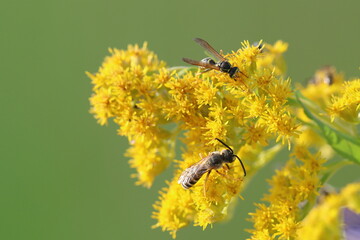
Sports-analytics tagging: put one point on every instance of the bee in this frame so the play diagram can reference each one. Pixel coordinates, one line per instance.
(208, 63)
(214, 161)
(324, 75)
(325, 192)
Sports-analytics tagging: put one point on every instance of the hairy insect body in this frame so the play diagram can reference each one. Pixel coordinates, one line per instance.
(192, 175)
(214, 161)
(324, 75)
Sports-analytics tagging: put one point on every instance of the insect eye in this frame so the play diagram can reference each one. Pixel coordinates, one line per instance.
(228, 156)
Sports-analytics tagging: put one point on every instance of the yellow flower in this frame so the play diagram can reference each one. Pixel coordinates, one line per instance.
(272, 57)
(256, 105)
(280, 91)
(279, 121)
(286, 228)
(347, 105)
(325, 83)
(256, 134)
(157, 158)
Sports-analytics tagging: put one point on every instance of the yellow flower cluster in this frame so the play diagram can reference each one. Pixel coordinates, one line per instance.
(156, 107)
(326, 216)
(298, 181)
(321, 88)
(125, 89)
(294, 188)
(347, 104)
(323, 85)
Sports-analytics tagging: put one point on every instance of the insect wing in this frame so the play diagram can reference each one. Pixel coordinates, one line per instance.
(197, 169)
(209, 48)
(201, 64)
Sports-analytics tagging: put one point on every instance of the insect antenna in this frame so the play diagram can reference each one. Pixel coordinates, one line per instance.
(242, 165)
(225, 145)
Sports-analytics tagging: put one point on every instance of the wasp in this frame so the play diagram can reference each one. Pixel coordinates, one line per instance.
(208, 63)
(214, 161)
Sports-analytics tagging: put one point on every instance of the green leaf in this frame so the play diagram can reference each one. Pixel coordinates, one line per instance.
(344, 144)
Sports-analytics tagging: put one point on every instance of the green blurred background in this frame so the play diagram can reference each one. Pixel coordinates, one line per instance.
(63, 176)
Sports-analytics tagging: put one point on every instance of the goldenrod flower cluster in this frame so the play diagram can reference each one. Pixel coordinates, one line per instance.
(347, 104)
(295, 187)
(125, 89)
(322, 87)
(158, 108)
(297, 182)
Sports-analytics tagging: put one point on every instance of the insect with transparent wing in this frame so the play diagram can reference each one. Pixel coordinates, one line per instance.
(208, 63)
(213, 161)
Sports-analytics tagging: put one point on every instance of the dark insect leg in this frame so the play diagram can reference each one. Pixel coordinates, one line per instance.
(243, 75)
(224, 175)
(227, 165)
(236, 76)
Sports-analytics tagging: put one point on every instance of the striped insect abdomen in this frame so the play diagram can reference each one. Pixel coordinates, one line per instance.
(191, 176)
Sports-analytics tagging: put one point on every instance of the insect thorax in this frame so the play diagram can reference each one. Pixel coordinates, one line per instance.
(216, 160)
(225, 66)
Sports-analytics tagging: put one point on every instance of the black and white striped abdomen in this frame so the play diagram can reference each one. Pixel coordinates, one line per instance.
(191, 176)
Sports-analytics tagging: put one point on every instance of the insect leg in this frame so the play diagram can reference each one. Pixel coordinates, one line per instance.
(204, 71)
(224, 175)
(206, 178)
(243, 75)
(236, 76)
